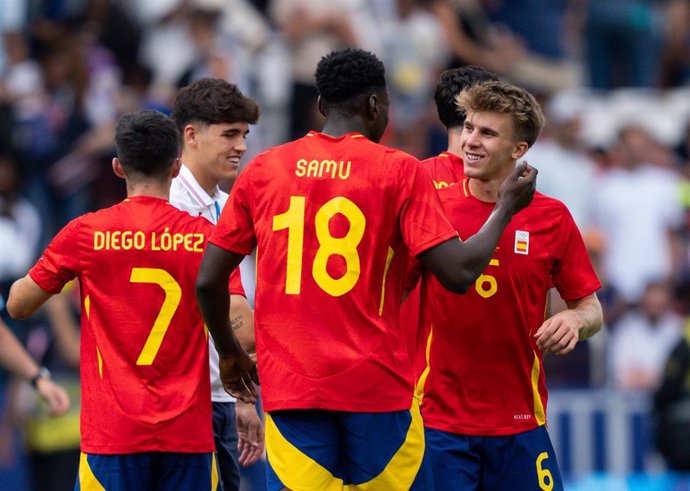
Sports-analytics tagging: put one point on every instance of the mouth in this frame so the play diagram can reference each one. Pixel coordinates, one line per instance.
(234, 162)
(472, 157)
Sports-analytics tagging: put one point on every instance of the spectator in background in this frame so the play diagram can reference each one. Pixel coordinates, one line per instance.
(20, 225)
(624, 42)
(672, 407)
(642, 340)
(313, 28)
(413, 54)
(638, 210)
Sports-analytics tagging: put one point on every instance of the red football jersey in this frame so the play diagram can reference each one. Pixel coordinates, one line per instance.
(486, 375)
(144, 352)
(331, 219)
(446, 169)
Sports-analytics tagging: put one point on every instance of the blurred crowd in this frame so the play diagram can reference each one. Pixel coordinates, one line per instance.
(613, 77)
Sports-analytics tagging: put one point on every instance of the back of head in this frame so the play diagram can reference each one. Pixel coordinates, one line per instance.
(343, 75)
(210, 101)
(451, 83)
(147, 144)
(502, 98)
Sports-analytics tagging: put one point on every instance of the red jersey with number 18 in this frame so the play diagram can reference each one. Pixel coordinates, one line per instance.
(144, 352)
(485, 373)
(331, 218)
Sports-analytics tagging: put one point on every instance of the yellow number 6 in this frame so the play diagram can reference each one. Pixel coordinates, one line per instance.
(544, 475)
(483, 279)
(173, 293)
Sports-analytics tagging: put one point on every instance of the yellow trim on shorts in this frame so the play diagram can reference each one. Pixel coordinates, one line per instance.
(299, 472)
(87, 480)
(215, 481)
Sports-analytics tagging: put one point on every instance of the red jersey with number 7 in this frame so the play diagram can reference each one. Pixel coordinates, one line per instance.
(144, 352)
(331, 218)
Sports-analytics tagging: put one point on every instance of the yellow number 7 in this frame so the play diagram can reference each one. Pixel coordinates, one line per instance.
(173, 294)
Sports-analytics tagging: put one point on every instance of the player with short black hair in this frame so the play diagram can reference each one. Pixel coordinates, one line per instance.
(145, 412)
(333, 216)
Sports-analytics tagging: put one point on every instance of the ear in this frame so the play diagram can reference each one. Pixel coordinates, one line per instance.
(372, 109)
(519, 150)
(321, 106)
(189, 135)
(117, 168)
(177, 165)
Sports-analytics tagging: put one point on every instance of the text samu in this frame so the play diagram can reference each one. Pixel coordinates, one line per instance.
(126, 240)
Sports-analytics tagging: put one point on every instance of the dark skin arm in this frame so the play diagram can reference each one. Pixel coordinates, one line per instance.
(458, 264)
(214, 303)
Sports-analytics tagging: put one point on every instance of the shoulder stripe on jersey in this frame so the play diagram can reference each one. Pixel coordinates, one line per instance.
(465, 187)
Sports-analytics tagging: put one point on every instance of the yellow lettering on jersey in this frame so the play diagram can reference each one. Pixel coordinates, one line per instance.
(325, 168)
(173, 294)
(440, 184)
(127, 240)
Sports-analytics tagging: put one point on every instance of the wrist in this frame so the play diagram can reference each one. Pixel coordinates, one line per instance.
(43, 373)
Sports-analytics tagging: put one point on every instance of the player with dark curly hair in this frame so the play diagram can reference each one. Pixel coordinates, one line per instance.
(333, 215)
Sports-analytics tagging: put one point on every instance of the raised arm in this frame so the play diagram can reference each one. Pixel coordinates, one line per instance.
(214, 303)
(458, 264)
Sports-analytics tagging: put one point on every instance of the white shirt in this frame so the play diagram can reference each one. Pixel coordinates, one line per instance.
(188, 195)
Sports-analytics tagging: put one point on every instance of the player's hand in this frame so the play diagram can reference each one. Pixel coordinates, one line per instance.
(517, 190)
(235, 373)
(54, 395)
(559, 334)
(250, 432)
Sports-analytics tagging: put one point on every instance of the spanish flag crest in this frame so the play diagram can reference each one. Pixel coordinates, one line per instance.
(521, 242)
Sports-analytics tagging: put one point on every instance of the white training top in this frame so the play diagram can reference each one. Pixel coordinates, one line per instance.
(188, 195)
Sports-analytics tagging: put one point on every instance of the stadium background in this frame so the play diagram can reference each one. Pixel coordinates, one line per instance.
(614, 79)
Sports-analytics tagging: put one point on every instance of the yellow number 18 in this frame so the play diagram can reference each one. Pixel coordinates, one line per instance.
(346, 247)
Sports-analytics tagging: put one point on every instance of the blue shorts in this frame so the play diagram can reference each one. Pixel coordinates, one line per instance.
(522, 462)
(335, 450)
(147, 470)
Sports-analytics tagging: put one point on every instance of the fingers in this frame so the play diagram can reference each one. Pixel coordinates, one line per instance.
(243, 389)
(56, 398)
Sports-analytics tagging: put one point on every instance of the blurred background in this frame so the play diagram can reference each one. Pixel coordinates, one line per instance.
(613, 77)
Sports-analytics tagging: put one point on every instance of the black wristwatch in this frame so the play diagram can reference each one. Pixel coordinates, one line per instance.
(43, 372)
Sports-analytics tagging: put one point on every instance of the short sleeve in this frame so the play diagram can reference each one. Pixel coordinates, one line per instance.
(59, 264)
(573, 274)
(235, 286)
(423, 221)
(234, 231)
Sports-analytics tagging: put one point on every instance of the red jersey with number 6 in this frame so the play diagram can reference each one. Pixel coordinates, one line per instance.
(485, 373)
(331, 218)
(144, 352)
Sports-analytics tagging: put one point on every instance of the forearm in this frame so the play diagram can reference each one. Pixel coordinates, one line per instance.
(242, 322)
(14, 357)
(458, 264)
(590, 312)
(214, 299)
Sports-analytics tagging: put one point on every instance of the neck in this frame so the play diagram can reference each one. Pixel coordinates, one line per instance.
(454, 145)
(153, 189)
(487, 190)
(341, 126)
(207, 183)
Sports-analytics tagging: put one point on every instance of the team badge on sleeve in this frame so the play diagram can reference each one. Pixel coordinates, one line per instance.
(521, 242)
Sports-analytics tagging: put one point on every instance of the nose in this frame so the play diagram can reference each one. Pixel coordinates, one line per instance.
(471, 139)
(240, 145)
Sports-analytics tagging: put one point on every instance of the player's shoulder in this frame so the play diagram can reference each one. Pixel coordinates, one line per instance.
(543, 204)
